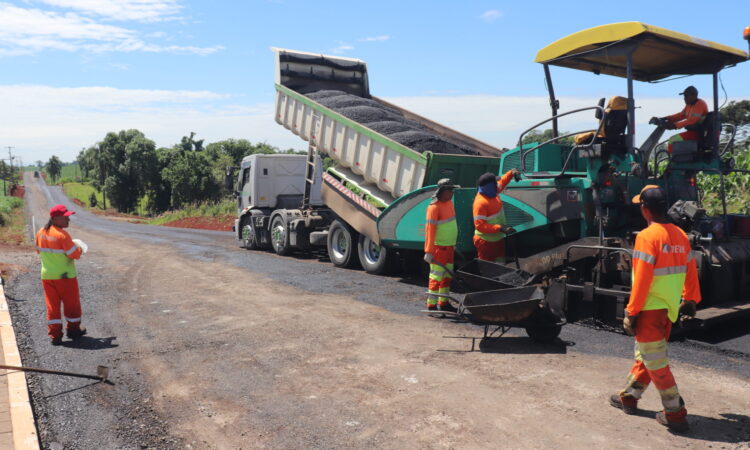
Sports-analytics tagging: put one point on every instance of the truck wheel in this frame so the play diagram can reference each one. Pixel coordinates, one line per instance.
(373, 257)
(280, 236)
(249, 239)
(543, 333)
(342, 245)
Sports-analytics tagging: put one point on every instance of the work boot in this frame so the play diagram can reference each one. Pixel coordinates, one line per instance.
(432, 308)
(446, 307)
(675, 421)
(628, 404)
(56, 341)
(75, 334)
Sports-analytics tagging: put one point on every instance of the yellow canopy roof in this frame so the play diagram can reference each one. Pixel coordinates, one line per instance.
(657, 52)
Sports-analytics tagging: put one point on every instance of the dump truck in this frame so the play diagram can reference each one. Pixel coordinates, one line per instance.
(363, 187)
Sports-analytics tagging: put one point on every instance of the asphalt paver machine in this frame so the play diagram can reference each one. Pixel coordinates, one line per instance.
(572, 211)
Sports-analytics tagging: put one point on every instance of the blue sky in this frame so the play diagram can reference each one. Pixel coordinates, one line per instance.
(74, 69)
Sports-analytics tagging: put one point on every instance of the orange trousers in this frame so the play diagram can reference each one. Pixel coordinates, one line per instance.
(62, 292)
(490, 251)
(440, 279)
(652, 364)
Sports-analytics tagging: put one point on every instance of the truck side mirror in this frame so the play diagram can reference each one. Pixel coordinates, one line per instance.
(229, 178)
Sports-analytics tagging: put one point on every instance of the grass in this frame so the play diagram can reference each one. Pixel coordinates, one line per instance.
(69, 173)
(12, 221)
(82, 192)
(222, 208)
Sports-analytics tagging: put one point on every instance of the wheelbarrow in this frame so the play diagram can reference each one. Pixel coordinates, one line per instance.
(479, 275)
(540, 313)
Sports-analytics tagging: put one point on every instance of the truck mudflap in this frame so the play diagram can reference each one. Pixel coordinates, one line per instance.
(353, 209)
(402, 224)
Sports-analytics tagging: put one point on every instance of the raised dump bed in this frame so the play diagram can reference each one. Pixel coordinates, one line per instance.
(375, 158)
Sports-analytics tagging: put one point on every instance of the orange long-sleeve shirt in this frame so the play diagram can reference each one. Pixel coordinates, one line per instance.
(485, 207)
(660, 258)
(439, 214)
(690, 115)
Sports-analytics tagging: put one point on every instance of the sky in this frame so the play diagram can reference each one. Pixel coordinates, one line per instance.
(73, 70)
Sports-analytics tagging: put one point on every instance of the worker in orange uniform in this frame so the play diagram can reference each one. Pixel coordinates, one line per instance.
(690, 117)
(58, 252)
(441, 231)
(489, 228)
(665, 284)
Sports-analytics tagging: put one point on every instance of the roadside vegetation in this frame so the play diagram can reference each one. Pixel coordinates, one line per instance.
(12, 222)
(127, 173)
(736, 185)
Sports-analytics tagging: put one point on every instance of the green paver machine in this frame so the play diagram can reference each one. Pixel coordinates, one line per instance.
(572, 211)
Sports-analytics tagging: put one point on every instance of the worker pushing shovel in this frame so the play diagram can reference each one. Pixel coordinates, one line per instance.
(58, 252)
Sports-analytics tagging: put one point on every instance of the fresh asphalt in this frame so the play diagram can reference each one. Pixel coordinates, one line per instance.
(80, 413)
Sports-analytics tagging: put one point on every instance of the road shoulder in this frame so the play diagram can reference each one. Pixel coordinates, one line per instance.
(23, 426)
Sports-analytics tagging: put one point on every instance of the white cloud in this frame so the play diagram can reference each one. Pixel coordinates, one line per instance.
(42, 120)
(491, 15)
(29, 31)
(342, 48)
(123, 10)
(380, 38)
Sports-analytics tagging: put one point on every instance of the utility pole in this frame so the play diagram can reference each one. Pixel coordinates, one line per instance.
(10, 160)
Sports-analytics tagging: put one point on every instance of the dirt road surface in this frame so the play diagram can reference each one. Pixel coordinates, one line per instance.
(212, 346)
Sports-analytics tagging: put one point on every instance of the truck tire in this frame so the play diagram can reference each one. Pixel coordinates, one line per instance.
(280, 236)
(375, 259)
(248, 238)
(342, 245)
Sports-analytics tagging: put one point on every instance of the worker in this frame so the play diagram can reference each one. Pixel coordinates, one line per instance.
(441, 232)
(665, 285)
(489, 228)
(690, 117)
(58, 252)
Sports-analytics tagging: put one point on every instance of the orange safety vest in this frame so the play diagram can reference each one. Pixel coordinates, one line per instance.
(663, 271)
(57, 251)
(690, 115)
(441, 228)
(488, 212)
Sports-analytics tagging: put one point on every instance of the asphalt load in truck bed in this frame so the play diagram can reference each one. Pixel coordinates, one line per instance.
(388, 122)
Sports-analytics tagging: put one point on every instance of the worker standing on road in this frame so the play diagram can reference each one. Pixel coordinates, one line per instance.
(57, 252)
(692, 115)
(489, 231)
(441, 232)
(663, 272)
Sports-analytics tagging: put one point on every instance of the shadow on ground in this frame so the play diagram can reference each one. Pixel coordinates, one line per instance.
(91, 343)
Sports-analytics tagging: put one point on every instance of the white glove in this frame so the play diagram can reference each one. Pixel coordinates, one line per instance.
(81, 244)
(428, 258)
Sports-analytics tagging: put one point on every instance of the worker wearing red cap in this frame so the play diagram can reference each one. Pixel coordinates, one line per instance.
(665, 284)
(489, 227)
(691, 116)
(58, 252)
(441, 232)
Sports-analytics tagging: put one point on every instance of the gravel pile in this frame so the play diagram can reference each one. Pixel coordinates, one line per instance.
(388, 122)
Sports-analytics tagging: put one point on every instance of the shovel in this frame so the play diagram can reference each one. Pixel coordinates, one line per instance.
(102, 372)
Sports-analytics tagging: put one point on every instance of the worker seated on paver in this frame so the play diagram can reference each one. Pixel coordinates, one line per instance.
(441, 232)
(612, 126)
(691, 118)
(489, 220)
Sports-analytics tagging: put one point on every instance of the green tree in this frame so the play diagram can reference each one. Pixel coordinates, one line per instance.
(54, 167)
(190, 179)
(543, 136)
(737, 113)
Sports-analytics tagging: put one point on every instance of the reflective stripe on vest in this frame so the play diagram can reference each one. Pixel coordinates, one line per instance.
(446, 231)
(496, 219)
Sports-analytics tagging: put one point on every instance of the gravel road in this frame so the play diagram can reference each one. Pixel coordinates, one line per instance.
(212, 346)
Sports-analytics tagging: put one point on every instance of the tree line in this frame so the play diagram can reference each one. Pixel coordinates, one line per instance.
(127, 166)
